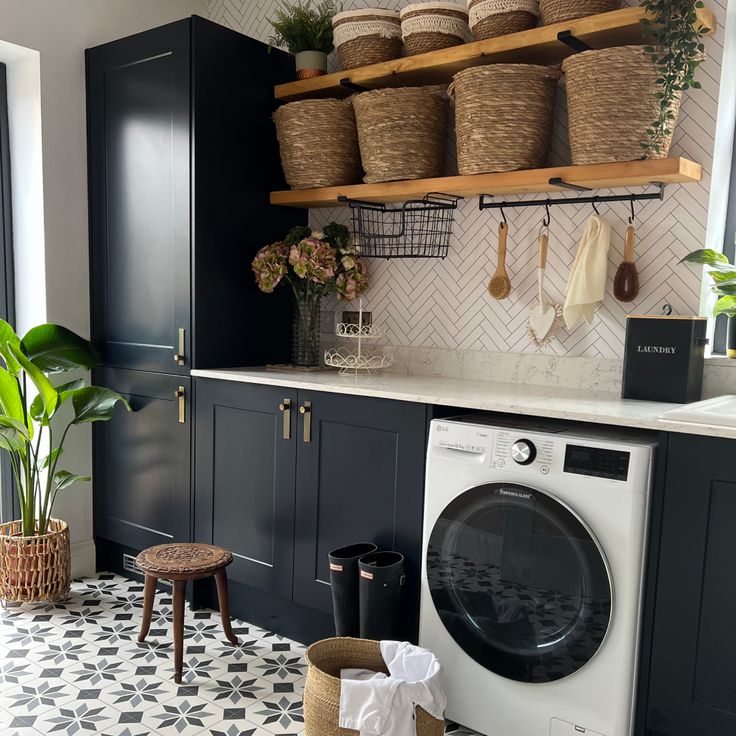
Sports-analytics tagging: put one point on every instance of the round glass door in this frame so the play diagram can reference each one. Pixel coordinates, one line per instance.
(519, 582)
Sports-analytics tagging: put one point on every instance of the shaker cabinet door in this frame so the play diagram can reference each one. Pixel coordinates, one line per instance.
(138, 95)
(244, 480)
(142, 461)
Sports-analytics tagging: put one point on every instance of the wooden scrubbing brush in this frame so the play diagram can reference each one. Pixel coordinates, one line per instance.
(500, 285)
(626, 281)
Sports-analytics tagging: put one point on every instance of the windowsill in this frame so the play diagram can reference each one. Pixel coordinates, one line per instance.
(720, 360)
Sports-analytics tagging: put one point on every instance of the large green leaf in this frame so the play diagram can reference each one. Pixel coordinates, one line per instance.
(64, 391)
(707, 256)
(49, 397)
(13, 434)
(95, 404)
(8, 337)
(64, 479)
(725, 305)
(55, 349)
(10, 401)
(51, 457)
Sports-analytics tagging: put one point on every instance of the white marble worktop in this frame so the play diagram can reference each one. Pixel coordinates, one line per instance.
(512, 398)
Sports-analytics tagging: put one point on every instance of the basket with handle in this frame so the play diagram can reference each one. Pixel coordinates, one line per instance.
(364, 37)
(491, 18)
(432, 26)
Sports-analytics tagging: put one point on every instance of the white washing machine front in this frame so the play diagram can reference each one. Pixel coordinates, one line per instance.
(532, 568)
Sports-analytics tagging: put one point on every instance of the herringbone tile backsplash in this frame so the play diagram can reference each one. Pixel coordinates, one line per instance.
(445, 304)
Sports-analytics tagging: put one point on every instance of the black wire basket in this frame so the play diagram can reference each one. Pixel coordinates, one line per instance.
(419, 228)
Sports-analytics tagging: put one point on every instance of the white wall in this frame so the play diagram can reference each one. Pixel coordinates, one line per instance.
(60, 30)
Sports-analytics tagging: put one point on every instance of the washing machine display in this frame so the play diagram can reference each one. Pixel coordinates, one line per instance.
(519, 582)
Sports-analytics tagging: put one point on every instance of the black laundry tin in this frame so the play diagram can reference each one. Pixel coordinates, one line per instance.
(664, 358)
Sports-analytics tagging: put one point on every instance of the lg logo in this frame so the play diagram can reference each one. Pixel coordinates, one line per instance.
(442, 428)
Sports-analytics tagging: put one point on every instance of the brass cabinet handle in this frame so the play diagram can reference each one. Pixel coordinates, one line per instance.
(306, 411)
(285, 409)
(180, 394)
(180, 356)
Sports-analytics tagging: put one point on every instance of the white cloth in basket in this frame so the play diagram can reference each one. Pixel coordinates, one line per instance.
(380, 705)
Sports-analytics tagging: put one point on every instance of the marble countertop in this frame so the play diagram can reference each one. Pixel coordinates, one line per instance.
(533, 400)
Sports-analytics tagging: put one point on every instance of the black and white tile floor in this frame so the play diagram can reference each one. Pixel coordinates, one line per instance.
(76, 668)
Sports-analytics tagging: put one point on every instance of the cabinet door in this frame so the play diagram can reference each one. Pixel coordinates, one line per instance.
(360, 478)
(244, 483)
(139, 198)
(692, 686)
(142, 461)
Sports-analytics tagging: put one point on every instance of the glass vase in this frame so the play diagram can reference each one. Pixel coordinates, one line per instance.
(305, 348)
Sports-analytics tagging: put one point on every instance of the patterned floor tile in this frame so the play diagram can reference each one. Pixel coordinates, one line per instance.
(185, 717)
(77, 717)
(279, 713)
(18, 724)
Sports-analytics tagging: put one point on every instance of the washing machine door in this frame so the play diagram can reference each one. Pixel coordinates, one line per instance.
(519, 582)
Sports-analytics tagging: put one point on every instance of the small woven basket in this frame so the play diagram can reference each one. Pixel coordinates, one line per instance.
(611, 104)
(402, 132)
(561, 11)
(492, 18)
(34, 568)
(364, 37)
(318, 143)
(322, 689)
(503, 116)
(432, 26)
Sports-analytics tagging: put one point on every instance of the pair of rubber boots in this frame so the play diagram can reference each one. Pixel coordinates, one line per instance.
(366, 591)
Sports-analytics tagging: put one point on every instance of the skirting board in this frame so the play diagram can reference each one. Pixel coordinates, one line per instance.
(83, 558)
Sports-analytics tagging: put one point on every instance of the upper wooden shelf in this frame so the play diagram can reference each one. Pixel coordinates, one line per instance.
(599, 176)
(537, 46)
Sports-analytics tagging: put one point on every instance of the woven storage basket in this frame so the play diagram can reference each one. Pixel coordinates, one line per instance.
(503, 116)
(318, 143)
(433, 26)
(322, 689)
(560, 11)
(611, 103)
(402, 132)
(365, 37)
(491, 18)
(34, 568)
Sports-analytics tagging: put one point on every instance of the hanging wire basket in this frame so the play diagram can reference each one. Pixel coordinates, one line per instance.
(419, 228)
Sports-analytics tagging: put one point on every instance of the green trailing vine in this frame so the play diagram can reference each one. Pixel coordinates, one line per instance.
(677, 50)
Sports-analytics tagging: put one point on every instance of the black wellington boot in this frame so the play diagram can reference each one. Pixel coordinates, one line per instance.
(344, 583)
(381, 581)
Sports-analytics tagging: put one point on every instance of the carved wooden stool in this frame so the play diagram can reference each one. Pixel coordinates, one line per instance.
(179, 563)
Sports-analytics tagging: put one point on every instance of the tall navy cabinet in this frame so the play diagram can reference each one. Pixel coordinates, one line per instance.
(182, 156)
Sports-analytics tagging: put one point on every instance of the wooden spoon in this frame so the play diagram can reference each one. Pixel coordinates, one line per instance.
(500, 285)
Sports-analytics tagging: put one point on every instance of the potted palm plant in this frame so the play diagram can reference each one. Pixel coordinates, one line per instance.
(723, 273)
(305, 31)
(34, 550)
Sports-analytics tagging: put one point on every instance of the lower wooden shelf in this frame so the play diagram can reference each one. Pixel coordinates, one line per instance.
(598, 176)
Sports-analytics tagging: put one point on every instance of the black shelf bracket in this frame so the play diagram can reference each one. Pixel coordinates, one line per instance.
(557, 181)
(345, 82)
(573, 42)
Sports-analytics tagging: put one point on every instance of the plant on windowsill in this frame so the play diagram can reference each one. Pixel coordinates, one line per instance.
(723, 273)
(34, 551)
(305, 31)
(314, 264)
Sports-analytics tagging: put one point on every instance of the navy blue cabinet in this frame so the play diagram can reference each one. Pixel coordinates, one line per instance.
(691, 681)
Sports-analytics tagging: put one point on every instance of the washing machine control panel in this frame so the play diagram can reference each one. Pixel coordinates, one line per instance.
(512, 451)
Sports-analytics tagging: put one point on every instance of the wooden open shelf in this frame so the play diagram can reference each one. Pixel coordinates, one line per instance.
(537, 46)
(599, 176)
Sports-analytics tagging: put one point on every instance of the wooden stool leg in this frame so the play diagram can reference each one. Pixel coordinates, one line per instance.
(149, 593)
(180, 587)
(222, 599)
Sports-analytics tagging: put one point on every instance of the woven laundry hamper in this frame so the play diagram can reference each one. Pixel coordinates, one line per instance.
(364, 37)
(611, 104)
(491, 18)
(503, 116)
(402, 132)
(322, 689)
(432, 26)
(560, 11)
(318, 143)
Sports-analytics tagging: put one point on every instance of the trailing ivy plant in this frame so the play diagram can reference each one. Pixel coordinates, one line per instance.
(300, 26)
(677, 50)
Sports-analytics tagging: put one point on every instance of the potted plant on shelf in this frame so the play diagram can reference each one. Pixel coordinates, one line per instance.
(314, 264)
(723, 274)
(34, 550)
(305, 31)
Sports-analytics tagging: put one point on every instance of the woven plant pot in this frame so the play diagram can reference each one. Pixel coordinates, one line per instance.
(364, 37)
(433, 26)
(611, 103)
(402, 133)
(503, 116)
(34, 568)
(491, 18)
(318, 143)
(322, 689)
(561, 11)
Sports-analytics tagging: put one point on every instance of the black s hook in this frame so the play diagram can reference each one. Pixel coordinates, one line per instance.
(547, 218)
(633, 214)
(593, 202)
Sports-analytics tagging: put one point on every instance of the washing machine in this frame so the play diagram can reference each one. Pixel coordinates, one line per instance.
(534, 545)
